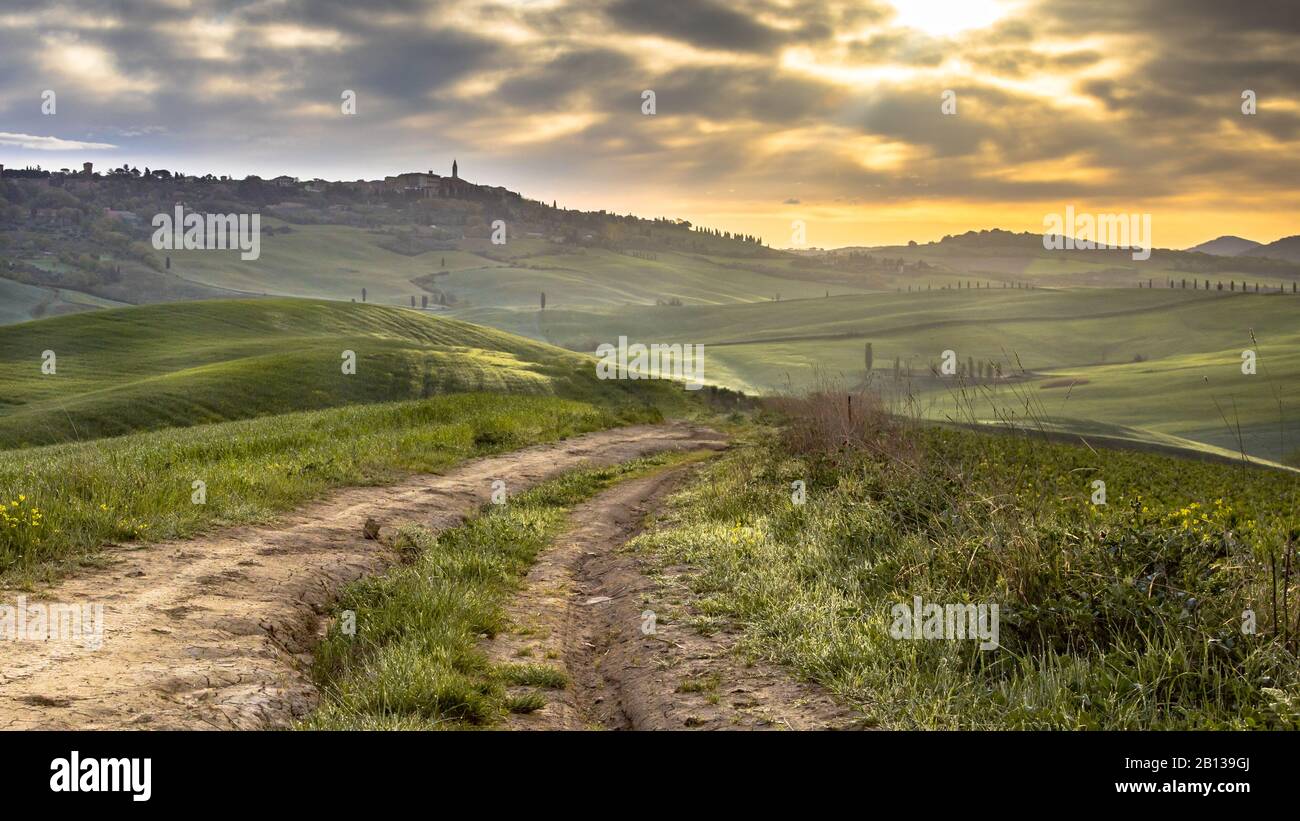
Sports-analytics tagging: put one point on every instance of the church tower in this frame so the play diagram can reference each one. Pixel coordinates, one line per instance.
(454, 174)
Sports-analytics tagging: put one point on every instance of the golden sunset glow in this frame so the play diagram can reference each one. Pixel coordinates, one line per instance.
(942, 18)
(764, 110)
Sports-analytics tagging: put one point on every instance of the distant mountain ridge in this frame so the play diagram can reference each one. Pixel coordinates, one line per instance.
(1226, 246)
(997, 240)
(1287, 248)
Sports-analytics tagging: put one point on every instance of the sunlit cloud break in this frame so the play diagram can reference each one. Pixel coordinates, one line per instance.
(33, 142)
(887, 120)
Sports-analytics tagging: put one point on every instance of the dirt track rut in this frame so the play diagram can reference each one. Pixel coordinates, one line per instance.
(589, 607)
(214, 632)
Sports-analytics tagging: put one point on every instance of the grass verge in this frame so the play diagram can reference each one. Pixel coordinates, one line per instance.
(414, 661)
(62, 502)
(1130, 615)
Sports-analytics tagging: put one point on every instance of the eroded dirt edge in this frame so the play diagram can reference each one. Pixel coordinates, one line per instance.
(215, 632)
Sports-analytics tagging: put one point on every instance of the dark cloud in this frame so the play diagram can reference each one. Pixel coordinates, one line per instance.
(703, 23)
(913, 115)
(1151, 107)
(903, 47)
(604, 72)
(1156, 19)
(1024, 62)
(725, 93)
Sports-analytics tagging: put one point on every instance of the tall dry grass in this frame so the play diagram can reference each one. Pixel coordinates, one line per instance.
(831, 421)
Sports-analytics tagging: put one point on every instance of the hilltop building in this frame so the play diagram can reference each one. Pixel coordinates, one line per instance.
(410, 184)
(431, 185)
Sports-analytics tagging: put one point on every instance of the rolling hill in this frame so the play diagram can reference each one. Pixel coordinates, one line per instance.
(1162, 365)
(175, 365)
(322, 262)
(1287, 248)
(1226, 246)
(1148, 348)
(20, 302)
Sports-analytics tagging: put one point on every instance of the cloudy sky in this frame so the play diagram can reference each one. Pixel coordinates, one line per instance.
(767, 111)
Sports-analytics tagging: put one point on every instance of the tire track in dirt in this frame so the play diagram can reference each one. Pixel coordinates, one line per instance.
(583, 609)
(216, 632)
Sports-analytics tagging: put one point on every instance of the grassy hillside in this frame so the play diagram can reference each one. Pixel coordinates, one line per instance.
(1164, 363)
(322, 261)
(1093, 348)
(20, 302)
(61, 503)
(851, 315)
(336, 262)
(1201, 396)
(144, 368)
(608, 279)
(1189, 341)
(1127, 615)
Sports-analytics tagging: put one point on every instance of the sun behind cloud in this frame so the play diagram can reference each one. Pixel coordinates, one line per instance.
(834, 103)
(941, 18)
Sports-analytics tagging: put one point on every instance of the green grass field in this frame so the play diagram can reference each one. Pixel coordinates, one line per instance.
(1120, 348)
(598, 278)
(182, 364)
(146, 400)
(1072, 353)
(1127, 615)
(62, 502)
(20, 302)
(323, 262)
(336, 262)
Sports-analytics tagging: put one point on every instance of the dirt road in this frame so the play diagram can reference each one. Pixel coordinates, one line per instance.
(590, 608)
(213, 632)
